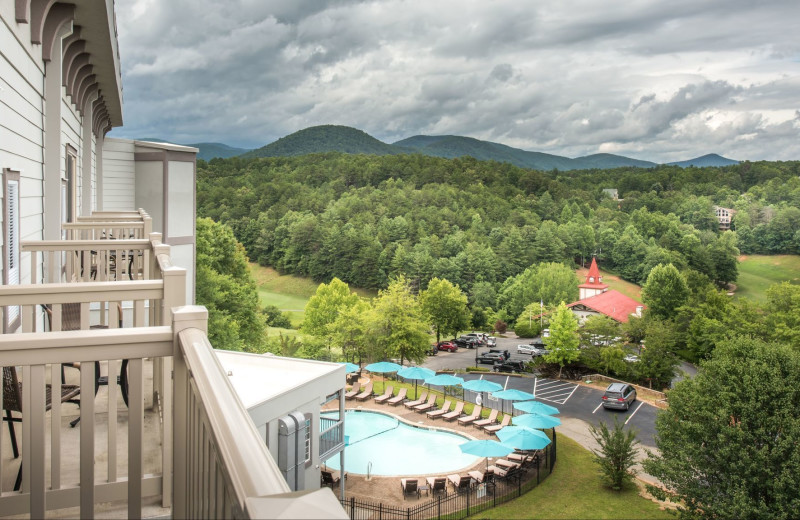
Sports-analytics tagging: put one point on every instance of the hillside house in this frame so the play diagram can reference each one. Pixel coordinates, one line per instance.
(724, 216)
(91, 280)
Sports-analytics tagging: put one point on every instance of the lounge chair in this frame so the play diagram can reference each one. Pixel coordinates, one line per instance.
(460, 482)
(521, 458)
(386, 395)
(476, 414)
(505, 474)
(401, 395)
(420, 400)
(366, 394)
(480, 423)
(437, 484)
(506, 464)
(482, 477)
(409, 486)
(330, 477)
(494, 428)
(353, 391)
(440, 412)
(455, 414)
(426, 406)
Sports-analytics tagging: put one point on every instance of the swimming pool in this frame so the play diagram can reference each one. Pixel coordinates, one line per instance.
(396, 448)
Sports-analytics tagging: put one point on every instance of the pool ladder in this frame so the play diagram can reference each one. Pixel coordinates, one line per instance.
(369, 471)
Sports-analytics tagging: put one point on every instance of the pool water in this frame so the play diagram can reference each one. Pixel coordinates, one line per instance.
(396, 448)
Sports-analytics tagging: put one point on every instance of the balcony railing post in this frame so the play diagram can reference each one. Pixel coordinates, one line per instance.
(183, 318)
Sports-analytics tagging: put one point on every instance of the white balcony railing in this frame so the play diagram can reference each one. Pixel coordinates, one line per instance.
(209, 458)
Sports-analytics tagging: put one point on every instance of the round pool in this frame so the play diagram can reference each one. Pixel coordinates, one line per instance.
(396, 448)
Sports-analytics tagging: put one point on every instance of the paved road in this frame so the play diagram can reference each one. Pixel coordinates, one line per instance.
(579, 405)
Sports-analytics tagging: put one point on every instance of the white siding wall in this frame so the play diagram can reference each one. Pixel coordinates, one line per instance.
(71, 134)
(21, 107)
(119, 189)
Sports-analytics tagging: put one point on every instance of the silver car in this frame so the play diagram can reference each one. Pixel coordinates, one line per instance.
(619, 396)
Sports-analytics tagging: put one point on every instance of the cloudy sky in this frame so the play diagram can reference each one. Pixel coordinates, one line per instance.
(651, 79)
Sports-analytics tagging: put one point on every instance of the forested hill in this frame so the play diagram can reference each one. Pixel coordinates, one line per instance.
(480, 224)
(711, 159)
(325, 138)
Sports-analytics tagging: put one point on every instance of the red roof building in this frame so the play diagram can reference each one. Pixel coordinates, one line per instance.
(597, 299)
(594, 282)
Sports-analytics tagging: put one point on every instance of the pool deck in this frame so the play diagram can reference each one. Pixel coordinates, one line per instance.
(387, 489)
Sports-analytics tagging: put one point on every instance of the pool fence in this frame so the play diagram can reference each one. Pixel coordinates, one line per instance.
(456, 505)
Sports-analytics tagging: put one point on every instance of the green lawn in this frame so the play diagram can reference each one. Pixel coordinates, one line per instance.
(629, 289)
(289, 293)
(575, 490)
(758, 272)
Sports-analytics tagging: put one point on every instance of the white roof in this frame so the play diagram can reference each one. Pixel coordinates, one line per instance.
(259, 378)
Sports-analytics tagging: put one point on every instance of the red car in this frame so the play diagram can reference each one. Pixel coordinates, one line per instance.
(448, 346)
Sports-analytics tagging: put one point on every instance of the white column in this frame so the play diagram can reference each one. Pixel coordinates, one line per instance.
(86, 166)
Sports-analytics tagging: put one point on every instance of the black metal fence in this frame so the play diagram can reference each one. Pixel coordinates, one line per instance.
(455, 505)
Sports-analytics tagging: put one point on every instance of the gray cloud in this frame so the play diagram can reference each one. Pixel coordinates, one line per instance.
(654, 80)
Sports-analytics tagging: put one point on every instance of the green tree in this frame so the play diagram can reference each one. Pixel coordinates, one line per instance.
(397, 324)
(563, 341)
(728, 441)
(783, 320)
(617, 453)
(227, 290)
(324, 307)
(664, 291)
(657, 362)
(446, 307)
(549, 283)
(349, 331)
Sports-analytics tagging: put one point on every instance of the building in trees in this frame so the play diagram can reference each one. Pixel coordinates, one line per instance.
(597, 299)
(724, 216)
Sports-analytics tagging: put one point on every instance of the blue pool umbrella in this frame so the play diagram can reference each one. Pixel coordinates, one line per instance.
(349, 368)
(383, 367)
(416, 373)
(444, 380)
(536, 407)
(485, 448)
(536, 421)
(481, 385)
(512, 394)
(523, 438)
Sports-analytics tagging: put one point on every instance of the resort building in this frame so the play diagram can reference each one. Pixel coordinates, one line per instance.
(597, 299)
(98, 263)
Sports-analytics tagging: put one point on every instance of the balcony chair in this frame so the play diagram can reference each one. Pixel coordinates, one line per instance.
(331, 477)
(12, 402)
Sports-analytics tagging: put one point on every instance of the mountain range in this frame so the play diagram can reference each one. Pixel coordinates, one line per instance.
(333, 138)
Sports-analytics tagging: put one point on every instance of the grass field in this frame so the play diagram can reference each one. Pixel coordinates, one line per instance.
(575, 490)
(758, 272)
(289, 293)
(629, 289)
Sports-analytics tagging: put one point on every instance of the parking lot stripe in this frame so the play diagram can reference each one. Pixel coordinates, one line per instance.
(598, 407)
(634, 412)
(570, 394)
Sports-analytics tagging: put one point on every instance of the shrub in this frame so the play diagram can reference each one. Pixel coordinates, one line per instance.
(500, 326)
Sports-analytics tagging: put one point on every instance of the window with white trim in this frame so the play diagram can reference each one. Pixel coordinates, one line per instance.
(71, 171)
(307, 457)
(11, 246)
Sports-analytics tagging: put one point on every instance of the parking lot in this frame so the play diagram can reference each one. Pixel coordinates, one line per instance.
(573, 400)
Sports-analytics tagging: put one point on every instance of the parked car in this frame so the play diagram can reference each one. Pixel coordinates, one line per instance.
(545, 333)
(491, 341)
(447, 346)
(467, 341)
(619, 396)
(631, 358)
(479, 336)
(511, 366)
(490, 358)
(506, 354)
(532, 349)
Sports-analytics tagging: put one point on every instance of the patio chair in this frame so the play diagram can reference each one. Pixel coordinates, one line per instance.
(455, 414)
(437, 485)
(331, 477)
(505, 474)
(401, 395)
(506, 464)
(440, 412)
(418, 401)
(524, 459)
(366, 394)
(461, 483)
(476, 414)
(494, 428)
(483, 477)
(353, 391)
(428, 405)
(480, 423)
(386, 395)
(12, 402)
(409, 486)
